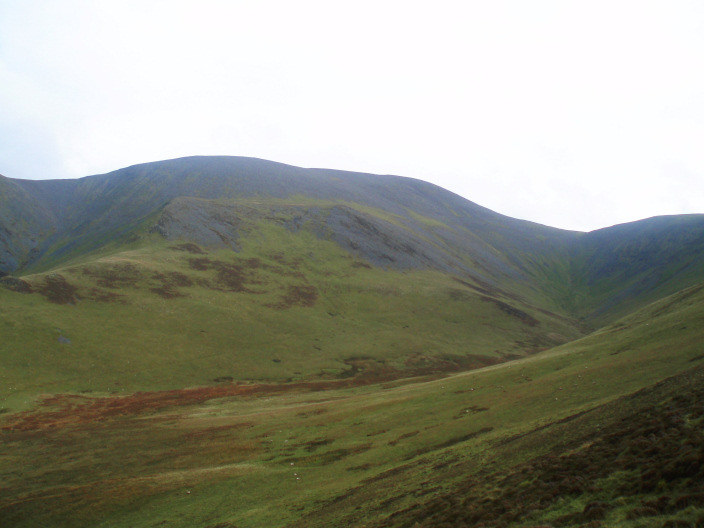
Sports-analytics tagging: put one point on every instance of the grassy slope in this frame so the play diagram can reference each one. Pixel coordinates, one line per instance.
(287, 306)
(351, 456)
(597, 276)
(127, 311)
(619, 269)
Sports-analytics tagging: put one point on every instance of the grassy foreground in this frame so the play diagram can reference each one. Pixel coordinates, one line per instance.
(606, 429)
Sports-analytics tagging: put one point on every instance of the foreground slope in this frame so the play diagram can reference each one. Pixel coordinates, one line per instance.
(606, 429)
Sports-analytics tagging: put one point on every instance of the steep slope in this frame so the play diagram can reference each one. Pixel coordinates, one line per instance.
(618, 269)
(24, 224)
(104, 208)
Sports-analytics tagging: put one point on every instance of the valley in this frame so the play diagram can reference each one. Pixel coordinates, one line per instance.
(230, 342)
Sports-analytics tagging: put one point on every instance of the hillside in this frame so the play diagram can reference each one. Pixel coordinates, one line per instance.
(222, 342)
(605, 429)
(387, 221)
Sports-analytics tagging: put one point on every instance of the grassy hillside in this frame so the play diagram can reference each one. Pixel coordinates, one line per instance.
(616, 270)
(288, 305)
(583, 432)
(387, 221)
(230, 342)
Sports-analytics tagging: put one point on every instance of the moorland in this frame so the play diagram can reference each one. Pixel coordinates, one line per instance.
(226, 342)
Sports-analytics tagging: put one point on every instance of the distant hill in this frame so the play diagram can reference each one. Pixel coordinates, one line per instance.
(389, 221)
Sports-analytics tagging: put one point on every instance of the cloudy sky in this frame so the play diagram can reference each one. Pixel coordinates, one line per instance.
(575, 114)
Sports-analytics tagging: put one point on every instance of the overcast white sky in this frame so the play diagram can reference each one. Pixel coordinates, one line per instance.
(574, 114)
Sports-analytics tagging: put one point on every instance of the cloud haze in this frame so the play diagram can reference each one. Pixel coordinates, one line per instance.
(577, 114)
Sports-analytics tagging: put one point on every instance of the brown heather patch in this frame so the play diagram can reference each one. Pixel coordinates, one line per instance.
(169, 283)
(66, 410)
(167, 292)
(57, 289)
(298, 295)
(200, 264)
(16, 285)
(96, 294)
(232, 277)
(114, 276)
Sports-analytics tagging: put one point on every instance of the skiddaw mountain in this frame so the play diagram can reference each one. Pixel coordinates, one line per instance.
(180, 338)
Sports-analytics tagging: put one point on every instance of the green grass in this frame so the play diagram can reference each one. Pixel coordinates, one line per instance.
(160, 383)
(285, 307)
(360, 452)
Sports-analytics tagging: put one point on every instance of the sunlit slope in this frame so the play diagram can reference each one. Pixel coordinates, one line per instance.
(289, 304)
(564, 437)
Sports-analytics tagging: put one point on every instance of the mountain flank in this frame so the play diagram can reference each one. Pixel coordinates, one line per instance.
(222, 342)
(388, 221)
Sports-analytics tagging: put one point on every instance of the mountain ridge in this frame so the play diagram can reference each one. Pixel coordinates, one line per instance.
(447, 232)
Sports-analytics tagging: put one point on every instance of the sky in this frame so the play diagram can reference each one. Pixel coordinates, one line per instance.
(573, 114)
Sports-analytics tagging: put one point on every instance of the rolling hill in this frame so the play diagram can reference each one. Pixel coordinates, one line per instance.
(209, 322)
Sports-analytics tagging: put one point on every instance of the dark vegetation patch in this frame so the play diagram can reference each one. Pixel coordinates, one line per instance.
(449, 443)
(189, 247)
(167, 291)
(96, 294)
(57, 289)
(649, 455)
(328, 457)
(229, 276)
(232, 277)
(512, 311)
(303, 295)
(564, 420)
(314, 412)
(200, 264)
(403, 437)
(210, 433)
(173, 278)
(374, 370)
(114, 276)
(169, 284)
(485, 288)
(314, 445)
(16, 285)
(424, 364)
(469, 411)
(393, 472)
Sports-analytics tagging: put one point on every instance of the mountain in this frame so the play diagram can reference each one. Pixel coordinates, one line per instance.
(388, 221)
(224, 342)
